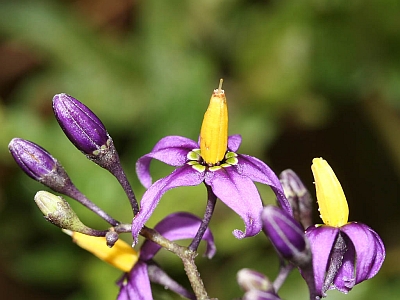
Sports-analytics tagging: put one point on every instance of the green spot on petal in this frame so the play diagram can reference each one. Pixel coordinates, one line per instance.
(199, 167)
(215, 168)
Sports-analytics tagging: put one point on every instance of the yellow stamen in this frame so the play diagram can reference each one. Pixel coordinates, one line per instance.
(332, 202)
(121, 255)
(214, 130)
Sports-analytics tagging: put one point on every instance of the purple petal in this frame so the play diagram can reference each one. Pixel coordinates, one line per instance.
(240, 194)
(171, 150)
(136, 284)
(260, 295)
(184, 176)
(369, 248)
(178, 226)
(345, 278)
(258, 171)
(234, 142)
(321, 241)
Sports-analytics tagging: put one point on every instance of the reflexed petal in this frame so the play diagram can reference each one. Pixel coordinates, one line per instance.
(136, 284)
(171, 150)
(234, 142)
(370, 251)
(184, 176)
(178, 226)
(321, 240)
(258, 171)
(240, 194)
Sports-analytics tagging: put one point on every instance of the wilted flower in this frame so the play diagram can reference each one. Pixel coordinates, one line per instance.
(344, 254)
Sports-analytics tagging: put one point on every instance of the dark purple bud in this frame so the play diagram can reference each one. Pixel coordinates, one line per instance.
(39, 164)
(111, 238)
(260, 295)
(299, 197)
(252, 280)
(286, 234)
(83, 128)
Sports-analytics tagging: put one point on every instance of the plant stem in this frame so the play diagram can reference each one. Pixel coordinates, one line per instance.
(186, 255)
(211, 200)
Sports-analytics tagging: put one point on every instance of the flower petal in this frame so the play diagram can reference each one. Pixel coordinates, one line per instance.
(369, 248)
(171, 150)
(184, 176)
(178, 226)
(240, 194)
(258, 171)
(234, 142)
(345, 278)
(136, 284)
(321, 241)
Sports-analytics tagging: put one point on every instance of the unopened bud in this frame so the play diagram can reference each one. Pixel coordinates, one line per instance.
(252, 280)
(299, 197)
(260, 295)
(111, 238)
(83, 128)
(286, 235)
(57, 211)
(39, 164)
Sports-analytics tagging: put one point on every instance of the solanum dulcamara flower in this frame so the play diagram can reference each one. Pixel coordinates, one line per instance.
(344, 253)
(215, 162)
(139, 268)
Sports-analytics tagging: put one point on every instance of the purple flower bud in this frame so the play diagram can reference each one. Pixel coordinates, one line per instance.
(83, 128)
(32, 159)
(111, 238)
(39, 164)
(260, 295)
(299, 197)
(286, 235)
(252, 280)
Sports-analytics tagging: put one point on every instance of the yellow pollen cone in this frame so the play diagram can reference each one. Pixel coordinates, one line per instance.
(214, 130)
(332, 202)
(121, 255)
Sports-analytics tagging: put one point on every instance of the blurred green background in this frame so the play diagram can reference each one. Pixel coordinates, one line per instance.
(303, 79)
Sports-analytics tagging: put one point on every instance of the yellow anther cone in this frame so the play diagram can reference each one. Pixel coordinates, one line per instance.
(121, 255)
(214, 130)
(332, 202)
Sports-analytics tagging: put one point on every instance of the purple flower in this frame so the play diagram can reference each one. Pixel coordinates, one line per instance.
(136, 283)
(231, 181)
(344, 254)
(215, 162)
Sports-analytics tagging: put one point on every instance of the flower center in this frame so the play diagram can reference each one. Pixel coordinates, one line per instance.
(197, 162)
(214, 130)
(331, 199)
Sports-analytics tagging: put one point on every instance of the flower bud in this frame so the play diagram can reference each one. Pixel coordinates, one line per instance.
(111, 238)
(299, 197)
(252, 280)
(286, 235)
(83, 128)
(58, 212)
(39, 164)
(260, 295)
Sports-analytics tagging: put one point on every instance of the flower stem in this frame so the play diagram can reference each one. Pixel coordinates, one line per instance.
(284, 272)
(74, 193)
(186, 255)
(211, 200)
